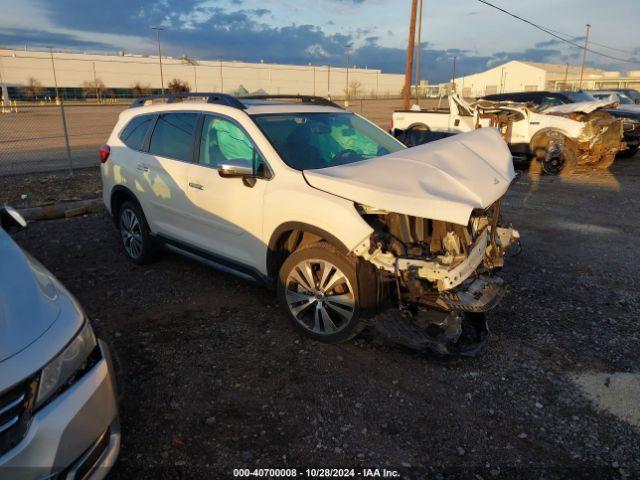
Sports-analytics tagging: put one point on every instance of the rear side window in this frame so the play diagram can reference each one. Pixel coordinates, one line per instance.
(173, 136)
(135, 131)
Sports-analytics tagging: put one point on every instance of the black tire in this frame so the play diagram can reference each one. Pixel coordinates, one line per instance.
(554, 160)
(145, 250)
(344, 321)
(629, 152)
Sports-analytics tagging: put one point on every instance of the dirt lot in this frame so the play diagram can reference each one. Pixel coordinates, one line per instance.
(214, 378)
(50, 187)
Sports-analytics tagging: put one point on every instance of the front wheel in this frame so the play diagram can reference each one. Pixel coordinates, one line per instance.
(318, 289)
(554, 153)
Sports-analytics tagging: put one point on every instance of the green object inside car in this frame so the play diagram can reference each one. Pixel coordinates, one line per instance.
(222, 140)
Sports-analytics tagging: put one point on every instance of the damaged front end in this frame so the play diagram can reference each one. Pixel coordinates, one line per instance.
(599, 141)
(441, 275)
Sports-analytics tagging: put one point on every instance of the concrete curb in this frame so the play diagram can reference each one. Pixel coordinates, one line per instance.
(61, 210)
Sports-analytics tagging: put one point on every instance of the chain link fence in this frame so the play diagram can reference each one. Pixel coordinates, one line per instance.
(32, 136)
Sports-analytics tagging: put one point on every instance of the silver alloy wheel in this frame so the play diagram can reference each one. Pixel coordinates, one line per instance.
(319, 296)
(131, 233)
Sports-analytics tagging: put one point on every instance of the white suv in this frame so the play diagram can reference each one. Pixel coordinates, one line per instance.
(319, 203)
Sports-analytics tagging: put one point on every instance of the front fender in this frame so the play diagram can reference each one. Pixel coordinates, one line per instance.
(325, 212)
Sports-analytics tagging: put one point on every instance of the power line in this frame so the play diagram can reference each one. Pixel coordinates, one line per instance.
(576, 37)
(551, 32)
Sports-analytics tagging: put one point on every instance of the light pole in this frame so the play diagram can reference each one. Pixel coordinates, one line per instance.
(158, 30)
(347, 47)
(453, 74)
(584, 54)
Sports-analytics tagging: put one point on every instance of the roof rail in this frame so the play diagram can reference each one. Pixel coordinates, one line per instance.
(302, 98)
(219, 98)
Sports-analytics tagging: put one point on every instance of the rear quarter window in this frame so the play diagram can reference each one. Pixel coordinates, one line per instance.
(133, 134)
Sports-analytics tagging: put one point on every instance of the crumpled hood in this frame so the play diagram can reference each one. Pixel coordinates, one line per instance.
(29, 302)
(580, 107)
(442, 180)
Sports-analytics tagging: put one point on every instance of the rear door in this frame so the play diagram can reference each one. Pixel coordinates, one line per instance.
(162, 173)
(227, 212)
(126, 151)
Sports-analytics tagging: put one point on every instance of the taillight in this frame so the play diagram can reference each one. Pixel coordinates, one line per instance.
(105, 150)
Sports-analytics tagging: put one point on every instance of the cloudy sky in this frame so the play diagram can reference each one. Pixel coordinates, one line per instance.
(316, 31)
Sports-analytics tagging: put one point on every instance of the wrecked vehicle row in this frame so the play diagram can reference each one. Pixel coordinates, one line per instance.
(559, 138)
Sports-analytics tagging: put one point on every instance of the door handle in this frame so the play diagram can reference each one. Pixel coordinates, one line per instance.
(142, 167)
(197, 186)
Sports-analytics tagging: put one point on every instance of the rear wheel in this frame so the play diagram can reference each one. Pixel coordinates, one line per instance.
(318, 290)
(135, 234)
(416, 135)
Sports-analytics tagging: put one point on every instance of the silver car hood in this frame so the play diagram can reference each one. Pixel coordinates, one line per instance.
(29, 303)
(580, 107)
(442, 180)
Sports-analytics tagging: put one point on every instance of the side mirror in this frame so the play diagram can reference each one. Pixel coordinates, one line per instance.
(11, 220)
(236, 167)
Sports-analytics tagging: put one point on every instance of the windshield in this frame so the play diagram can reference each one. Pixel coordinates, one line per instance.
(624, 99)
(632, 94)
(319, 140)
(613, 97)
(579, 96)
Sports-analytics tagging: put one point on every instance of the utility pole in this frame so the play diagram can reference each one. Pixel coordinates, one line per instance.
(584, 54)
(411, 46)
(418, 52)
(64, 119)
(158, 30)
(347, 47)
(566, 75)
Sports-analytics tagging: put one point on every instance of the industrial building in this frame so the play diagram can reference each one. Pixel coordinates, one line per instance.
(519, 76)
(74, 72)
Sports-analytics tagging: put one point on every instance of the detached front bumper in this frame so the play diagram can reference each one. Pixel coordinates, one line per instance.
(77, 435)
(480, 295)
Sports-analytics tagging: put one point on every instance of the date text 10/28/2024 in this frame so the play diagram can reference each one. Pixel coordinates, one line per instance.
(316, 473)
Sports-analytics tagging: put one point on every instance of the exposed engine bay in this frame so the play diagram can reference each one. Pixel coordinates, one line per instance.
(440, 274)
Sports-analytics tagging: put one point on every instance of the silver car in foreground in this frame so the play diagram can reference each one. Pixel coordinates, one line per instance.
(58, 409)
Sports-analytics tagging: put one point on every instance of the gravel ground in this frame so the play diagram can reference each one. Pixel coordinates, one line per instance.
(51, 187)
(215, 379)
